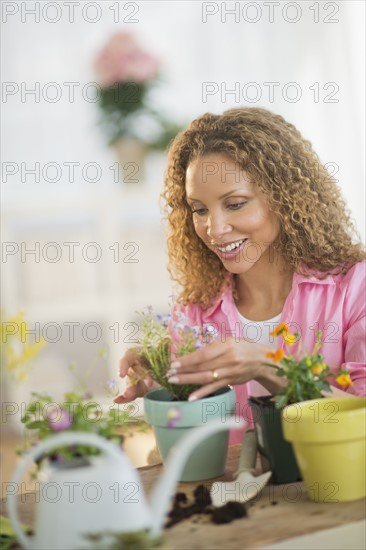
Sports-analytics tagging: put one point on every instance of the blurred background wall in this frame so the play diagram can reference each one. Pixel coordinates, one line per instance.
(83, 250)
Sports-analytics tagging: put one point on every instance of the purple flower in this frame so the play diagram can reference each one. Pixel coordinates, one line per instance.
(163, 319)
(58, 419)
(173, 415)
(209, 333)
(112, 388)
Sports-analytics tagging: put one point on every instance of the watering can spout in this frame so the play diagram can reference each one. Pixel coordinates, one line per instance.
(162, 492)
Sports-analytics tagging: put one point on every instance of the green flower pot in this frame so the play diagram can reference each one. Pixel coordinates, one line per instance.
(171, 420)
(271, 443)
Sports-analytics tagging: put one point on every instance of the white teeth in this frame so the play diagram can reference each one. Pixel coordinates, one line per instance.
(231, 246)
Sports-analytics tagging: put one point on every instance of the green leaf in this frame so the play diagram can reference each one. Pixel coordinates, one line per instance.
(281, 372)
(34, 406)
(280, 401)
(7, 529)
(299, 392)
(36, 425)
(323, 385)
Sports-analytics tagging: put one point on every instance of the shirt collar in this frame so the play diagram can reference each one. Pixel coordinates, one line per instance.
(225, 294)
(297, 280)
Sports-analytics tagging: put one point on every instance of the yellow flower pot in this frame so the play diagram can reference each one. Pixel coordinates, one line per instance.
(328, 437)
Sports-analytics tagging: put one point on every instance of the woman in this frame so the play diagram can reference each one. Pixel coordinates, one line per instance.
(259, 235)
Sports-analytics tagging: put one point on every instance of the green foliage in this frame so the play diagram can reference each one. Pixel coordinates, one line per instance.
(307, 375)
(124, 97)
(77, 411)
(74, 413)
(156, 346)
(138, 540)
(8, 539)
(303, 382)
(126, 110)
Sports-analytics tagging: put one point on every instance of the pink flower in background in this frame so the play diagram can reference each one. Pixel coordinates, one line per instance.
(58, 419)
(122, 59)
(126, 73)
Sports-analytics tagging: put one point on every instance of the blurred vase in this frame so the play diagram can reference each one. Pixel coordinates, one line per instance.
(131, 155)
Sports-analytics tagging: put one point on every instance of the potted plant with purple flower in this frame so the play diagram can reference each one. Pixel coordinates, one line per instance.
(167, 408)
(77, 411)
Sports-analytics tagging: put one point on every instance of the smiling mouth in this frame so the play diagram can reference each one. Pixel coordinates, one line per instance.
(230, 247)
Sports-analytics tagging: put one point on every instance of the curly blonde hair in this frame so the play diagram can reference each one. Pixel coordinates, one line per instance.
(316, 230)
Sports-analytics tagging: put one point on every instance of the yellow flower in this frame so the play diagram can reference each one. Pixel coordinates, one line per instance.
(318, 368)
(344, 380)
(276, 356)
(283, 330)
(102, 352)
(279, 330)
(16, 349)
(289, 338)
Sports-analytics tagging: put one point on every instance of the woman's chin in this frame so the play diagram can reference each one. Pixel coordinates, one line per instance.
(238, 268)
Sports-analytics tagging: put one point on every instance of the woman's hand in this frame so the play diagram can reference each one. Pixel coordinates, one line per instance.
(131, 365)
(224, 363)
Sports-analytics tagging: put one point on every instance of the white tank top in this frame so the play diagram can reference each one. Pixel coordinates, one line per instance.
(259, 332)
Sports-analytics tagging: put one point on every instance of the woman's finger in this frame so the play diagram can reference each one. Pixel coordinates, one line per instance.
(227, 359)
(129, 395)
(228, 374)
(133, 392)
(206, 390)
(130, 359)
(137, 387)
(194, 360)
(202, 377)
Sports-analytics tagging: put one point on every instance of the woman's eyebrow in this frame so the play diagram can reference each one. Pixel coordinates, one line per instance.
(222, 196)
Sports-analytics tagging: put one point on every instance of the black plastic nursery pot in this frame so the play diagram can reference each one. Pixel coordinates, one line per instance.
(271, 443)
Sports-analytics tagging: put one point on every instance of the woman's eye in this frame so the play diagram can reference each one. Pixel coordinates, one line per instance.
(200, 211)
(236, 205)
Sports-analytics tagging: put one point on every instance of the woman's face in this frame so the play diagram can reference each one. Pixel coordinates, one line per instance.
(230, 214)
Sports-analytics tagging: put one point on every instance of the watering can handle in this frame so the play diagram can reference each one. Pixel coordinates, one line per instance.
(60, 440)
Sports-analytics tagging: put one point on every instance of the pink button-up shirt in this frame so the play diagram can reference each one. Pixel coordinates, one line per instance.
(335, 305)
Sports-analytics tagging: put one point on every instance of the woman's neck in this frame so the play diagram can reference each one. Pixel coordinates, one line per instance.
(261, 293)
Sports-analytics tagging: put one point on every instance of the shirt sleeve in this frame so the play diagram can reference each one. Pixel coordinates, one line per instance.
(354, 337)
(355, 356)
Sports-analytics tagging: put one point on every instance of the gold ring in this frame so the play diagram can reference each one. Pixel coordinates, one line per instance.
(215, 375)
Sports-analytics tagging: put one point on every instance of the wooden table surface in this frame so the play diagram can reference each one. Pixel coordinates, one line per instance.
(280, 512)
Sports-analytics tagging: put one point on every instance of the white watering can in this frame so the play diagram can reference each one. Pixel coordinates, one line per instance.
(104, 496)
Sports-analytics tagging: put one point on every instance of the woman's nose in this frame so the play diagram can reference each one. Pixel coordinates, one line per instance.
(217, 226)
